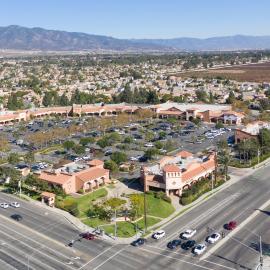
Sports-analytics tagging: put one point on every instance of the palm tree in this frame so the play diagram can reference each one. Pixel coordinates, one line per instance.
(224, 157)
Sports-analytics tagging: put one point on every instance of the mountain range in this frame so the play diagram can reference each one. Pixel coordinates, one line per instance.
(16, 37)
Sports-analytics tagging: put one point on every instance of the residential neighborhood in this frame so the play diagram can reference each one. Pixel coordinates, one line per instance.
(134, 135)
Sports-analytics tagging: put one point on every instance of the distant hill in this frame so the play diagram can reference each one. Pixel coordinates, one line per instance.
(15, 37)
(238, 42)
(22, 38)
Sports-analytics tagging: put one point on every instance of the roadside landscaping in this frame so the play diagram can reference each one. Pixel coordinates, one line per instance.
(158, 207)
(198, 189)
(79, 207)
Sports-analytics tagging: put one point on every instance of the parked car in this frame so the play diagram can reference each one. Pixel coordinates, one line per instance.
(149, 145)
(4, 205)
(188, 245)
(15, 204)
(188, 234)
(174, 243)
(213, 238)
(199, 249)
(159, 234)
(231, 225)
(138, 242)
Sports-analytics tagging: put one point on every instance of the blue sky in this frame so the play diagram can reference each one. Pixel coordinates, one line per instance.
(142, 18)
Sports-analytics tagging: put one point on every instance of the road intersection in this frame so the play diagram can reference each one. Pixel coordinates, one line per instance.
(40, 239)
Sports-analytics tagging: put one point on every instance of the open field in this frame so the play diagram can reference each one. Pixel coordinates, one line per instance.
(251, 73)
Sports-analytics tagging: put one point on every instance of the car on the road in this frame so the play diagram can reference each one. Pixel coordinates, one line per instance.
(199, 249)
(174, 244)
(187, 234)
(159, 234)
(4, 205)
(188, 245)
(231, 225)
(87, 236)
(15, 204)
(213, 238)
(138, 242)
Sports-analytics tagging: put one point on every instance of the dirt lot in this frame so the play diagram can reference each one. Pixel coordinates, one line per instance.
(251, 73)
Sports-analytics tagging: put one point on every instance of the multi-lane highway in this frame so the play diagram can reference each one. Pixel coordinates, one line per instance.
(41, 236)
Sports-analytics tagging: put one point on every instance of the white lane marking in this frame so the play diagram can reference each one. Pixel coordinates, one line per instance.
(180, 260)
(96, 257)
(20, 253)
(9, 266)
(198, 219)
(189, 256)
(32, 240)
(118, 252)
(34, 249)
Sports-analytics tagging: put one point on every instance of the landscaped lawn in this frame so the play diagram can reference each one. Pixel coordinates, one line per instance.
(158, 207)
(85, 201)
(124, 229)
(93, 222)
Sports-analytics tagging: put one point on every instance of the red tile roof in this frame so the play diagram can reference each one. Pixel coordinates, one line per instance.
(171, 168)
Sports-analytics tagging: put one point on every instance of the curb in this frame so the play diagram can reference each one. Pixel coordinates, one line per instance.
(230, 234)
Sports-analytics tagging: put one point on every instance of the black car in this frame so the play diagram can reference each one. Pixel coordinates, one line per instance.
(138, 242)
(188, 245)
(174, 243)
(143, 159)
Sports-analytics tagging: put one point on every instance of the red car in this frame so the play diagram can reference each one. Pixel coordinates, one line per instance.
(87, 236)
(231, 225)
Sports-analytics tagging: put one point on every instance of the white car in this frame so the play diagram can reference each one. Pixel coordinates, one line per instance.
(213, 238)
(4, 205)
(159, 234)
(148, 145)
(15, 204)
(188, 234)
(199, 249)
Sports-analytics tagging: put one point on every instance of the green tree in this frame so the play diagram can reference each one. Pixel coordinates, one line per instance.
(78, 149)
(29, 158)
(119, 157)
(86, 140)
(111, 165)
(151, 153)
(13, 158)
(68, 145)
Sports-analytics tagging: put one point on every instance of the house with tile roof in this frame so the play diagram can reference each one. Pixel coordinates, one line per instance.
(173, 174)
(74, 177)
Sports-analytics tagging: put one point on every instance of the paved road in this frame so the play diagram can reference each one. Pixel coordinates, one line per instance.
(241, 251)
(47, 234)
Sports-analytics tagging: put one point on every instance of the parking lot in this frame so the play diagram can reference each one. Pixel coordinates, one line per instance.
(134, 139)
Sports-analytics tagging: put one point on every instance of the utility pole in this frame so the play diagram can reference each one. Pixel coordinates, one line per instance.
(215, 169)
(115, 225)
(145, 221)
(261, 254)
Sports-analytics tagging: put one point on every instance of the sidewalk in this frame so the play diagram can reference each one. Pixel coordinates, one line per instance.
(235, 174)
